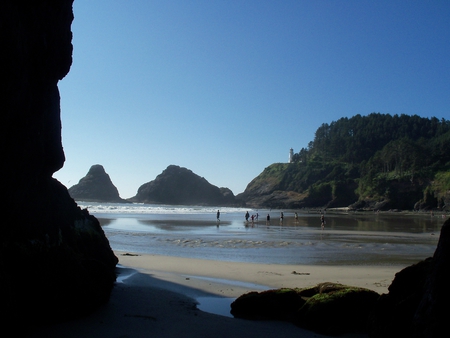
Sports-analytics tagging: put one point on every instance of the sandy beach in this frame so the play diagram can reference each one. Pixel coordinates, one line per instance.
(158, 296)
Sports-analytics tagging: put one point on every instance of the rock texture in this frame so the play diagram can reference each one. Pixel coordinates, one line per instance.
(96, 186)
(328, 308)
(55, 260)
(177, 185)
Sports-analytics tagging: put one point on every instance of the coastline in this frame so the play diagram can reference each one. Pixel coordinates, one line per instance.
(157, 296)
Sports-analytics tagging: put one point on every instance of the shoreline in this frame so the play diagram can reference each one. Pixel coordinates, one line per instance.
(184, 271)
(158, 296)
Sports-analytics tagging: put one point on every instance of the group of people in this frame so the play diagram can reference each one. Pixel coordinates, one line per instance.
(254, 218)
(322, 218)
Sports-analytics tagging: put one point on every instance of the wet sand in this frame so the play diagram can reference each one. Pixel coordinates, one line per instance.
(157, 296)
(368, 239)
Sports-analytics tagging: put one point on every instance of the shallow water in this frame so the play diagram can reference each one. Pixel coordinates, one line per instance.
(186, 231)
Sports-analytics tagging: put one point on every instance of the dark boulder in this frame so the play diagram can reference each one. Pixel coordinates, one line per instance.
(430, 318)
(177, 185)
(327, 308)
(393, 313)
(55, 260)
(417, 302)
(96, 186)
(280, 304)
(336, 309)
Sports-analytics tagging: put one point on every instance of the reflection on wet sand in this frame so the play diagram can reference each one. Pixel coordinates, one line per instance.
(346, 238)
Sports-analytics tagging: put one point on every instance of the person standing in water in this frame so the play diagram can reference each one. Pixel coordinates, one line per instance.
(218, 215)
(322, 219)
(268, 219)
(247, 215)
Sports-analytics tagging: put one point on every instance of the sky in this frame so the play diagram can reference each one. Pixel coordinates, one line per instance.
(226, 87)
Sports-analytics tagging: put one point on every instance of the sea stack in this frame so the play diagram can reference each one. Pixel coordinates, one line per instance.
(177, 185)
(96, 186)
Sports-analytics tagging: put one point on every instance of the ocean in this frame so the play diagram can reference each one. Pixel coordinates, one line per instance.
(352, 238)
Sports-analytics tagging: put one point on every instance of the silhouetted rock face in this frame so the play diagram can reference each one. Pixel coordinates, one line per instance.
(177, 185)
(54, 257)
(430, 319)
(418, 298)
(95, 186)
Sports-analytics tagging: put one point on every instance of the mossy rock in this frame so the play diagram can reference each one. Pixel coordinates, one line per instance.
(280, 304)
(328, 308)
(336, 308)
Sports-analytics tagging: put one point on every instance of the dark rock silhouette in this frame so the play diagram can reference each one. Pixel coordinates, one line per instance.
(177, 185)
(430, 318)
(417, 302)
(393, 313)
(55, 260)
(95, 186)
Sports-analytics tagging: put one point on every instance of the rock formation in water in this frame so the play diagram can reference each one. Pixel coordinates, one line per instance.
(55, 260)
(177, 185)
(96, 186)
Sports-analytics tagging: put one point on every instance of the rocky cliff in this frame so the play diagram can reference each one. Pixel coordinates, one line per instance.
(333, 185)
(268, 191)
(96, 186)
(177, 185)
(55, 260)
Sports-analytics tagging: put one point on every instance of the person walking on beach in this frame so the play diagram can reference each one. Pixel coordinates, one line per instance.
(281, 217)
(322, 219)
(296, 216)
(247, 215)
(268, 219)
(218, 216)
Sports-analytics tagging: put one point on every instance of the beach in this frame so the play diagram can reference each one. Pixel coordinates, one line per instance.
(179, 268)
(158, 296)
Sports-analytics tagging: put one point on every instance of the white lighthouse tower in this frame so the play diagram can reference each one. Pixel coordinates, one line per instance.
(291, 155)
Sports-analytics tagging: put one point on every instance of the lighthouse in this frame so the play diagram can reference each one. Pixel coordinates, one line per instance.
(291, 155)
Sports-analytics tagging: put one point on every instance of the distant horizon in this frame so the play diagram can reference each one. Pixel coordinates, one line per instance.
(227, 88)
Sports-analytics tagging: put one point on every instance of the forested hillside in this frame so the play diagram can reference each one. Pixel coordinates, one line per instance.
(377, 161)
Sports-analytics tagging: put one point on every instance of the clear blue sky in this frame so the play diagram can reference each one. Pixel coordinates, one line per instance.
(226, 88)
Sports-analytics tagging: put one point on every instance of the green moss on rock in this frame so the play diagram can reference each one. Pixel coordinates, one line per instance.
(328, 308)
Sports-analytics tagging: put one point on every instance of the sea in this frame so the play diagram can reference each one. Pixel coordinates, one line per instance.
(348, 238)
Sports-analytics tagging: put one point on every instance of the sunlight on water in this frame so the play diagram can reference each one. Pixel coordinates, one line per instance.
(192, 231)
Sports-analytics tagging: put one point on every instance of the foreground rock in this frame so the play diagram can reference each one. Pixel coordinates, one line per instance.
(418, 298)
(96, 186)
(394, 312)
(430, 318)
(328, 308)
(55, 260)
(177, 185)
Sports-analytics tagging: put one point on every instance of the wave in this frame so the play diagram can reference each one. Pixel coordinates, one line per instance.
(142, 208)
